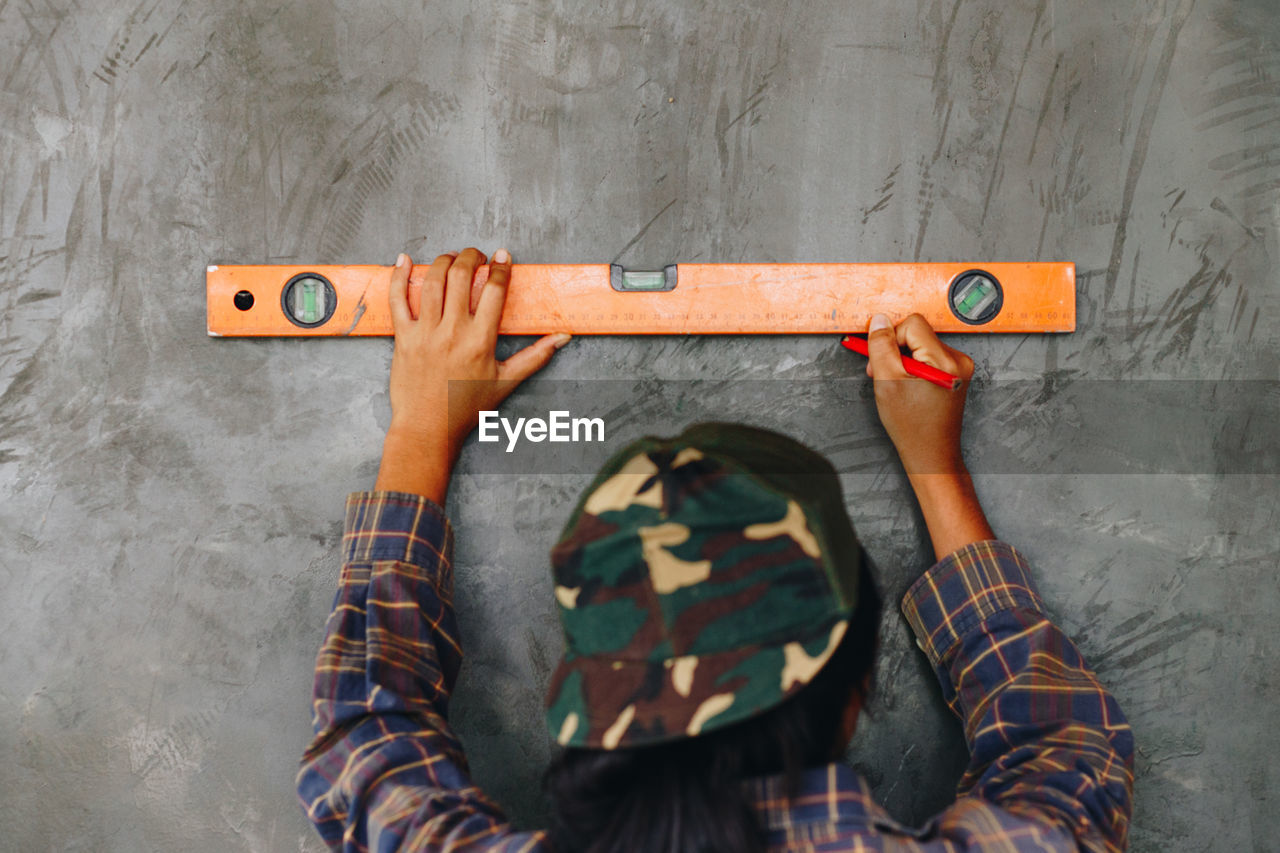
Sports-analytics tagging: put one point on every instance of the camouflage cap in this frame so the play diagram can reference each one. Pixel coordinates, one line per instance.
(701, 580)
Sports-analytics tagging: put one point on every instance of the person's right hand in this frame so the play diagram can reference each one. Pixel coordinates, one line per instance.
(922, 419)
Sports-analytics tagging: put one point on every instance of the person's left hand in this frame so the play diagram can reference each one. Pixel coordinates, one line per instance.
(443, 370)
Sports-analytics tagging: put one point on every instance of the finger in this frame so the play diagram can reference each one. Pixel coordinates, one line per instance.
(431, 294)
(530, 360)
(457, 290)
(402, 312)
(917, 335)
(882, 349)
(493, 296)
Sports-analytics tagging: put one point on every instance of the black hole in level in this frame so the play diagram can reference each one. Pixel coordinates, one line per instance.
(244, 300)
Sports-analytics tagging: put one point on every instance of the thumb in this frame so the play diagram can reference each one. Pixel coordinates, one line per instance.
(529, 361)
(882, 350)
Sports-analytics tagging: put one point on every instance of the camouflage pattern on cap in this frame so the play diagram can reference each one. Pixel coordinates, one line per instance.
(694, 591)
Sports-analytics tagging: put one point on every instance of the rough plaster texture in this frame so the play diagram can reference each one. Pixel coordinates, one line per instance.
(170, 504)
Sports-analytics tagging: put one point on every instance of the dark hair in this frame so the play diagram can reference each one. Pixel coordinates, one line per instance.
(687, 795)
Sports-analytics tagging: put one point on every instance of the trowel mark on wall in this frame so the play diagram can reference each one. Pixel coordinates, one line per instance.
(174, 749)
(1135, 652)
(375, 176)
(564, 52)
(1074, 189)
(1142, 139)
(369, 166)
(940, 80)
(43, 60)
(1242, 96)
(1186, 307)
(943, 105)
(925, 197)
(540, 660)
(123, 51)
(997, 169)
(1221, 206)
(1044, 107)
(886, 193)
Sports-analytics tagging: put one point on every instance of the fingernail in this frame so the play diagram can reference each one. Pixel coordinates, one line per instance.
(402, 260)
(561, 338)
(502, 256)
(879, 321)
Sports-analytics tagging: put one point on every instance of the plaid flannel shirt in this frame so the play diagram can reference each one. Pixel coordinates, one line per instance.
(1051, 753)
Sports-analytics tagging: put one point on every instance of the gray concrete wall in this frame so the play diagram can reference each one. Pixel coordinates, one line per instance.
(170, 504)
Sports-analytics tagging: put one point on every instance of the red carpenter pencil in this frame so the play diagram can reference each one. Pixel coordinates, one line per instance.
(916, 368)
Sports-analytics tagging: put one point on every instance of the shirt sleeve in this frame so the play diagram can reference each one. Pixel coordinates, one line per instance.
(1047, 741)
(384, 771)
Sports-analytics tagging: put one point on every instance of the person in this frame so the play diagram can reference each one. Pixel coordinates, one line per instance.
(720, 621)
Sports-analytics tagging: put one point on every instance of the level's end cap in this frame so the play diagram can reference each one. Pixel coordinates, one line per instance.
(211, 268)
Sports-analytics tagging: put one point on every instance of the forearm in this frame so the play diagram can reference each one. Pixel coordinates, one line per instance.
(391, 640)
(416, 463)
(951, 510)
(384, 763)
(1067, 758)
(1047, 741)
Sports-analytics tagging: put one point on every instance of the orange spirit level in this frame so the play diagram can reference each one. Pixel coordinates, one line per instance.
(605, 299)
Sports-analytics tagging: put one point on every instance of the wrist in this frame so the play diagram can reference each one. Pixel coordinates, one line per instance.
(941, 458)
(935, 483)
(949, 504)
(421, 431)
